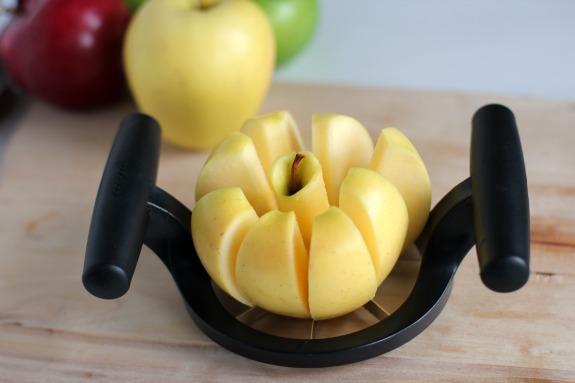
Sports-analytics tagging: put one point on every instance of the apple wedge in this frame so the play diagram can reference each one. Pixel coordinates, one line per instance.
(378, 210)
(340, 143)
(235, 162)
(396, 159)
(274, 135)
(272, 265)
(220, 221)
(341, 274)
(298, 186)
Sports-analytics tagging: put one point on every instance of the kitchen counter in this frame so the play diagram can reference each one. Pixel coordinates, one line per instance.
(52, 330)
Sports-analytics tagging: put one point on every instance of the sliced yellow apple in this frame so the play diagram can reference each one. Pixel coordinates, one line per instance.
(235, 162)
(274, 135)
(298, 186)
(220, 221)
(396, 159)
(341, 273)
(340, 143)
(272, 265)
(378, 210)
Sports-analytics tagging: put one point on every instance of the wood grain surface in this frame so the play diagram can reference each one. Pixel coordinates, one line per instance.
(52, 330)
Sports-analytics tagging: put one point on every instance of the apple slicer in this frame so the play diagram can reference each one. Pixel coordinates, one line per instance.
(490, 210)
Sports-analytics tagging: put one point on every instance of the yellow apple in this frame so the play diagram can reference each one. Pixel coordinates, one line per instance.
(235, 162)
(274, 135)
(396, 159)
(299, 187)
(220, 222)
(299, 251)
(379, 211)
(201, 68)
(272, 265)
(340, 143)
(341, 274)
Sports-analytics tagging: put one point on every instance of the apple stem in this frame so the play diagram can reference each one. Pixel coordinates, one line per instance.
(294, 185)
(207, 4)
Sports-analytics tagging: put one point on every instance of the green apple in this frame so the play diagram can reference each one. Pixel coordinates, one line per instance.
(200, 67)
(294, 23)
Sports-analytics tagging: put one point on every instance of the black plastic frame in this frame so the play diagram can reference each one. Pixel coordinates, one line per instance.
(490, 208)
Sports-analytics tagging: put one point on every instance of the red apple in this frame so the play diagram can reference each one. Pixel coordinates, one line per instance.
(67, 52)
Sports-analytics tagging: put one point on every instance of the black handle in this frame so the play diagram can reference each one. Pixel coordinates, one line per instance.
(500, 199)
(120, 213)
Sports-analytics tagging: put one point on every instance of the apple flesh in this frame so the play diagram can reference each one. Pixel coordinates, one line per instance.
(68, 53)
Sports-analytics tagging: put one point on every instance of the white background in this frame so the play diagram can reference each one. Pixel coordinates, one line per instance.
(519, 47)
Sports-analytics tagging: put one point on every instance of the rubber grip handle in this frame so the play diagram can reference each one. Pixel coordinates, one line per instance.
(500, 199)
(120, 212)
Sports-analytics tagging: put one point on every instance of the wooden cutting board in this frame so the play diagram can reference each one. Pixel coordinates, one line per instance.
(52, 330)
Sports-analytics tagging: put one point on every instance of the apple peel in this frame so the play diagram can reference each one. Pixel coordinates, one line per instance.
(220, 222)
(396, 159)
(274, 135)
(311, 198)
(379, 211)
(234, 162)
(331, 136)
(272, 265)
(341, 273)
